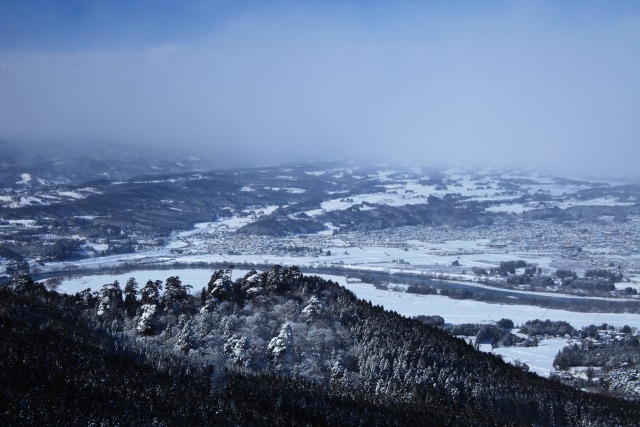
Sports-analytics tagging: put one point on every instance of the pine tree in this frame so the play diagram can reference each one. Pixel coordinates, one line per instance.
(184, 339)
(110, 299)
(175, 293)
(282, 348)
(130, 294)
(146, 321)
(150, 293)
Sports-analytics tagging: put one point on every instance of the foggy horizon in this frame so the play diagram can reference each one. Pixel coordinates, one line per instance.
(548, 86)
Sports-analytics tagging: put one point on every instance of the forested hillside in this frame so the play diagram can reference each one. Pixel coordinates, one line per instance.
(271, 348)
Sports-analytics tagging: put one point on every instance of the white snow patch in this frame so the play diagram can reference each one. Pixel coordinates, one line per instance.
(601, 201)
(98, 247)
(72, 194)
(539, 359)
(22, 222)
(25, 178)
(289, 190)
(28, 201)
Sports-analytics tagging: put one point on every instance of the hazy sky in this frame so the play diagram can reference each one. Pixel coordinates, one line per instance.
(552, 84)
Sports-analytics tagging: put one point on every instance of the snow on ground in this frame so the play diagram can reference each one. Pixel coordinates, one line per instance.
(25, 178)
(226, 224)
(601, 201)
(539, 359)
(156, 181)
(564, 204)
(292, 190)
(176, 244)
(72, 194)
(90, 190)
(516, 208)
(469, 311)
(46, 197)
(27, 201)
(634, 283)
(22, 222)
(406, 193)
(99, 247)
(400, 192)
(430, 256)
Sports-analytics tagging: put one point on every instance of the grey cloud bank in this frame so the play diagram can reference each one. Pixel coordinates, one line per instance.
(504, 86)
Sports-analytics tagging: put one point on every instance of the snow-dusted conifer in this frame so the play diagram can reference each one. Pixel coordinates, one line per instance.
(175, 293)
(220, 284)
(281, 348)
(184, 339)
(209, 304)
(313, 307)
(130, 296)
(110, 299)
(237, 348)
(150, 293)
(146, 319)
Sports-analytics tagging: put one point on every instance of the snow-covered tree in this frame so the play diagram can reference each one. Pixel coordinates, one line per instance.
(184, 339)
(175, 293)
(146, 319)
(220, 284)
(130, 297)
(237, 348)
(110, 299)
(86, 298)
(313, 307)
(281, 348)
(278, 279)
(209, 304)
(150, 293)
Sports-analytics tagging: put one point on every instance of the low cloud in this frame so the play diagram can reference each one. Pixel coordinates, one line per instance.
(500, 87)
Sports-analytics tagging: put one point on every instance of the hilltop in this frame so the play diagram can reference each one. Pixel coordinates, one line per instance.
(276, 347)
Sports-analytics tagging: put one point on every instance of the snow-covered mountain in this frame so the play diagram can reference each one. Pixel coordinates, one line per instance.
(29, 165)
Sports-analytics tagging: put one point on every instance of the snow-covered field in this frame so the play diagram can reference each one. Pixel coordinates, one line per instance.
(539, 359)
(469, 311)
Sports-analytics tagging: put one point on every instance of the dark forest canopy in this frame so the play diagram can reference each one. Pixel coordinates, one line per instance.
(271, 348)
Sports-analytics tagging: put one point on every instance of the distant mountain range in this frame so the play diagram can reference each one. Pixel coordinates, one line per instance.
(36, 165)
